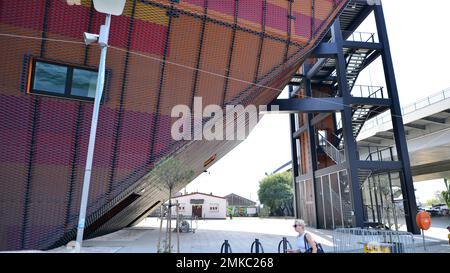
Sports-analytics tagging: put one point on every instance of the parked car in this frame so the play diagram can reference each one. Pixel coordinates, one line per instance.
(432, 211)
(435, 210)
(442, 208)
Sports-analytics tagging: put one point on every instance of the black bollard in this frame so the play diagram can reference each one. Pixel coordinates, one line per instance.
(285, 243)
(258, 247)
(226, 247)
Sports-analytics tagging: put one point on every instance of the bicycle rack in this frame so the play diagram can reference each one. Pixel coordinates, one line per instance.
(257, 244)
(285, 243)
(226, 247)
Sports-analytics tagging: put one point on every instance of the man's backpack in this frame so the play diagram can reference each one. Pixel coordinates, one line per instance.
(309, 248)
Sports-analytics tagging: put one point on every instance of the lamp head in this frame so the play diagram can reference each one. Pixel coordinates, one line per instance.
(113, 7)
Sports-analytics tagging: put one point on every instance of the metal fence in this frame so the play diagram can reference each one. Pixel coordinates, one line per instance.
(357, 240)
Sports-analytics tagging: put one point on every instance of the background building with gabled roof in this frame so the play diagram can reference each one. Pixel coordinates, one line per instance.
(240, 206)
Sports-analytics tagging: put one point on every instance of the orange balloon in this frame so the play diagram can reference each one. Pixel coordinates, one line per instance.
(423, 220)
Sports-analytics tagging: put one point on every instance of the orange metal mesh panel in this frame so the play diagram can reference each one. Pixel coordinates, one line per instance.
(161, 54)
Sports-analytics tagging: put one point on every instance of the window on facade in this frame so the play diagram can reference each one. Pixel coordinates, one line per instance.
(54, 79)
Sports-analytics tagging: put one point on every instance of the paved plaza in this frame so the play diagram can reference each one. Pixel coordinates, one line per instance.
(240, 232)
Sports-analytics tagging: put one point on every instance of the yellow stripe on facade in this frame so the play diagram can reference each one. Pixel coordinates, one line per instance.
(152, 14)
(143, 12)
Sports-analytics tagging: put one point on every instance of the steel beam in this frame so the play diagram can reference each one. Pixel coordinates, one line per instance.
(362, 45)
(307, 105)
(294, 155)
(317, 66)
(332, 169)
(369, 101)
(311, 144)
(324, 50)
(397, 122)
(295, 84)
(325, 79)
(350, 143)
(379, 165)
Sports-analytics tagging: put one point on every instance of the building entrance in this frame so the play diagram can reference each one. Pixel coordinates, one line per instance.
(197, 211)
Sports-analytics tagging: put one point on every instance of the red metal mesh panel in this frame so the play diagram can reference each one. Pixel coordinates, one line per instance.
(161, 54)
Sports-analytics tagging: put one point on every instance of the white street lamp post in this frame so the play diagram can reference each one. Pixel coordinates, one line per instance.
(110, 7)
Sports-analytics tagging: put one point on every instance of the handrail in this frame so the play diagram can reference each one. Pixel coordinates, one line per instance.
(365, 37)
(337, 138)
(372, 92)
(379, 151)
(430, 100)
(338, 156)
(368, 91)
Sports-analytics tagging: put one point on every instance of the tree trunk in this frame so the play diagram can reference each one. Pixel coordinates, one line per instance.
(178, 229)
(161, 218)
(170, 220)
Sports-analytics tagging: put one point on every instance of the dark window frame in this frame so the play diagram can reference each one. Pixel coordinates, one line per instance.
(68, 82)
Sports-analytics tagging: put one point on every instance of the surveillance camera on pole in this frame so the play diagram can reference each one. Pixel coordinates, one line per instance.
(109, 7)
(90, 38)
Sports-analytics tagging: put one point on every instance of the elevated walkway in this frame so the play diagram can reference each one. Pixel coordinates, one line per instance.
(427, 125)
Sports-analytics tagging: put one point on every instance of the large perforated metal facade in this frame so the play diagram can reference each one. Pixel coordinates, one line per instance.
(162, 53)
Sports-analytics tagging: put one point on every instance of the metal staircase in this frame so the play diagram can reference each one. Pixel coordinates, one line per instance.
(362, 113)
(355, 65)
(337, 155)
(360, 116)
(363, 175)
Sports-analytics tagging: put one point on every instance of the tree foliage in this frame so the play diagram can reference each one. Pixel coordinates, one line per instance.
(276, 193)
(446, 194)
(171, 172)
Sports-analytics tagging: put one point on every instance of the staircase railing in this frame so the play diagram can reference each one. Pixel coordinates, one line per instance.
(376, 153)
(367, 91)
(355, 36)
(363, 91)
(337, 141)
(338, 156)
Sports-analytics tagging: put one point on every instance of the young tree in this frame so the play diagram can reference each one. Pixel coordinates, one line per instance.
(276, 193)
(171, 173)
(446, 194)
